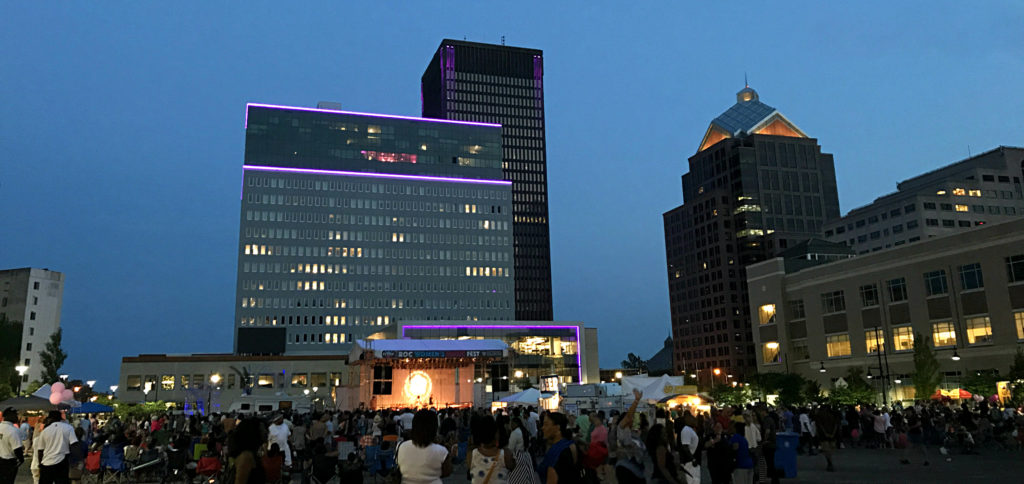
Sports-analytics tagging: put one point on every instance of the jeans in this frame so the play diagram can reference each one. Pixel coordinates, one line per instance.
(55, 474)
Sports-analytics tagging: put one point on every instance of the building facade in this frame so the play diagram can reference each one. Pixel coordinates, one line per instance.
(756, 185)
(500, 84)
(351, 222)
(33, 298)
(971, 193)
(537, 348)
(214, 382)
(963, 293)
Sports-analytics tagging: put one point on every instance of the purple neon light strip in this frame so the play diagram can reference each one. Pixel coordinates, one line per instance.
(355, 113)
(393, 176)
(579, 343)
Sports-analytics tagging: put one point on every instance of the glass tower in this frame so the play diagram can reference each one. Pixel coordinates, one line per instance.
(505, 85)
(351, 222)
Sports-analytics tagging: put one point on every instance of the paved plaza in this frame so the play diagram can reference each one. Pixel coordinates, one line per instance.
(857, 466)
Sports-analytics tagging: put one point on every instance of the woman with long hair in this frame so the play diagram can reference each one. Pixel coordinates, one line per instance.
(243, 445)
(665, 469)
(421, 460)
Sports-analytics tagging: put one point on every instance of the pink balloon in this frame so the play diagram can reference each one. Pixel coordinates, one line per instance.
(55, 398)
(68, 395)
(57, 388)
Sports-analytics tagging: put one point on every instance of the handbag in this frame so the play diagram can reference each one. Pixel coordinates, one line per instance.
(395, 477)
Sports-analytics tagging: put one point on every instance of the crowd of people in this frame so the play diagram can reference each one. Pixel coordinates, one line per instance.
(731, 444)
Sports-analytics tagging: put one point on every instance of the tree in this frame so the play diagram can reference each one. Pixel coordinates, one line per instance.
(787, 386)
(10, 353)
(857, 389)
(926, 368)
(729, 395)
(634, 362)
(53, 357)
(811, 392)
(981, 382)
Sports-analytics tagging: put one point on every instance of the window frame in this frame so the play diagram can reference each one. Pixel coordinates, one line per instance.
(949, 328)
(870, 297)
(930, 278)
(829, 343)
(971, 273)
(970, 327)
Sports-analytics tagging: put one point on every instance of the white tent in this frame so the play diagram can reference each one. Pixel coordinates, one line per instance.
(529, 396)
(653, 388)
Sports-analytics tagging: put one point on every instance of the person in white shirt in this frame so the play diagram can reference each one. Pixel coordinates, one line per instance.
(12, 452)
(515, 439)
(531, 423)
(406, 422)
(278, 433)
(55, 443)
(688, 437)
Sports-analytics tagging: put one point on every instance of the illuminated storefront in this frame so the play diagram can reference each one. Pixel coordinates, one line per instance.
(565, 349)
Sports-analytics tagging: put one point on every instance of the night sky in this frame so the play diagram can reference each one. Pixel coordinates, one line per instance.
(121, 136)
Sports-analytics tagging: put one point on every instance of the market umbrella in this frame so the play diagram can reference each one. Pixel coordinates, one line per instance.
(964, 394)
(27, 403)
(92, 407)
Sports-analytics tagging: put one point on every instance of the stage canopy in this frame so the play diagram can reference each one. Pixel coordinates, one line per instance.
(426, 351)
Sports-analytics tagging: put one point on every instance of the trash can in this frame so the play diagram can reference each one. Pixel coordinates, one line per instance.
(786, 444)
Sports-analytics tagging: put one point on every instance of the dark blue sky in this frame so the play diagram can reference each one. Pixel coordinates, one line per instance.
(121, 133)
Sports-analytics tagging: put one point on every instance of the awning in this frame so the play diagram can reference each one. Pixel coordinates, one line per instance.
(27, 403)
(400, 349)
(92, 407)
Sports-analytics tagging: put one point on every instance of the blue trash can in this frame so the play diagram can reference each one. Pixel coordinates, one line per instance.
(786, 444)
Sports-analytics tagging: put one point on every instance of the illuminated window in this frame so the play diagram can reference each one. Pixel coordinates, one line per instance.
(979, 330)
(299, 380)
(971, 277)
(1018, 319)
(974, 193)
(767, 314)
(837, 345)
(770, 353)
(265, 381)
(134, 383)
(940, 192)
(903, 338)
(874, 339)
(959, 191)
(943, 334)
(167, 382)
(960, 208)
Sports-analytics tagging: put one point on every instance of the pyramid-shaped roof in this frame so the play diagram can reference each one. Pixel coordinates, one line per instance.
(749, 115)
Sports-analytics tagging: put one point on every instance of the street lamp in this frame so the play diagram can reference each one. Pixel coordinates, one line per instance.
(519, 373)
(618, 375)
(113, 388)
(306, 392)
(956, 356)
(822, 369)
(315, 389)
(91, 383)
(64, 377)
(21, 369)
(145, 391)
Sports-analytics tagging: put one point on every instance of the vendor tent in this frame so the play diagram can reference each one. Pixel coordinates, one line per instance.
(92, 407)
(654, 388)
(27, 403)
(529, 396)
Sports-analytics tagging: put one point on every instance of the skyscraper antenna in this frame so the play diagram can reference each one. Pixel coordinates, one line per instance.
(745, 83)
(969, 151)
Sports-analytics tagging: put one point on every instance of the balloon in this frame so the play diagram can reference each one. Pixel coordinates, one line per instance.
(57, 388)
(68, 396)
(55, 398)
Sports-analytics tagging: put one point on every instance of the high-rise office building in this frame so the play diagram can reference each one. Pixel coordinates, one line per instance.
(471, 81)
(756, 185)
(33, 298)
(351, 222)
(981, 190)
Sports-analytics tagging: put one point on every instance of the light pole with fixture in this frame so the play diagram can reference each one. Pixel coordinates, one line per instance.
(113, 389)
(822, 369)
(214, 380)
(64, 377)
(21, 369)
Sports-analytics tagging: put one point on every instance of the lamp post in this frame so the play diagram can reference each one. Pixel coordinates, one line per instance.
(113, 389)
(91, 383)
(21, 369)
(214, 380)
(64, 377)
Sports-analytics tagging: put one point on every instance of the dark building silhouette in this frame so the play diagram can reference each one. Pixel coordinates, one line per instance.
(756, 186)
(470, 81)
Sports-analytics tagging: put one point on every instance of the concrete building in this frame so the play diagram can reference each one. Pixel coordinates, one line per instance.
(489, 83)
(214, 382)
(32, 297)
(566, 349)
(351, 222)
(983, 189)
(756, 185)
(963, 293)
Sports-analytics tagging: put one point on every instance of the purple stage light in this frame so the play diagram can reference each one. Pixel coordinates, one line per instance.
(393, 176)
(579, 346)
(355, 113)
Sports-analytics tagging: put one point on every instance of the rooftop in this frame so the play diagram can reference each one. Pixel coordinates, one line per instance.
(749, 116)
